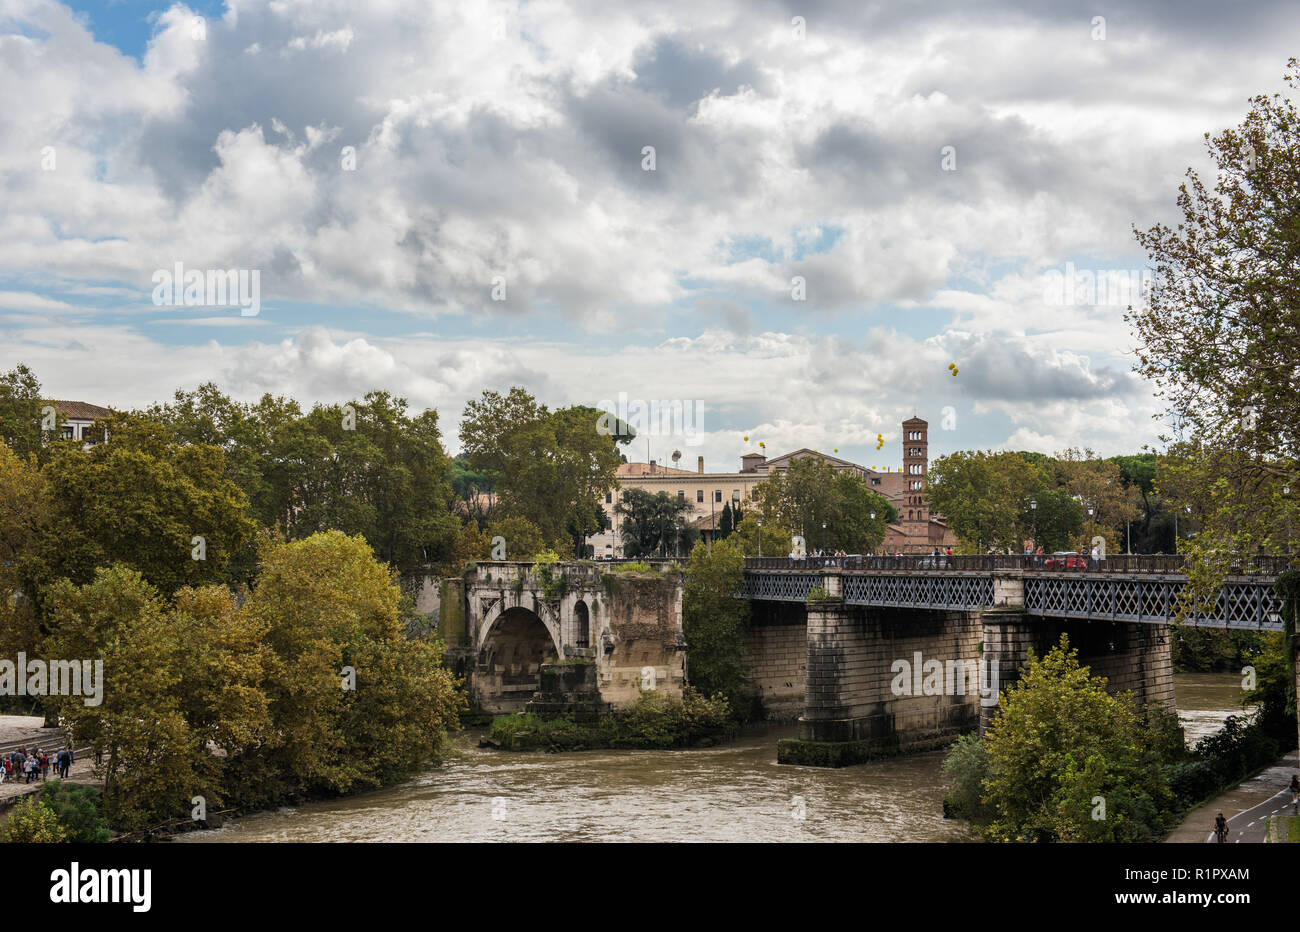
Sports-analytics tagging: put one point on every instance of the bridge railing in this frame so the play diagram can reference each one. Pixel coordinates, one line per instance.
(1154, 563)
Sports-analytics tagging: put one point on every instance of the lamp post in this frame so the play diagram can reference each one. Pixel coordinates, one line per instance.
(1033, 536)
(823, 537)
(873, 517)
(1286, 490)
(760, 538)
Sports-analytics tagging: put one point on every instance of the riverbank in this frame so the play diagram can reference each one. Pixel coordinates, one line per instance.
(1247, 806)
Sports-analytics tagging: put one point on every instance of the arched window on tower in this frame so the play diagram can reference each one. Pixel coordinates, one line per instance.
(582, 620)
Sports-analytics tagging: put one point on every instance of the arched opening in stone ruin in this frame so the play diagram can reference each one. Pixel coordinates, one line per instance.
(511, 658)
(582, 625)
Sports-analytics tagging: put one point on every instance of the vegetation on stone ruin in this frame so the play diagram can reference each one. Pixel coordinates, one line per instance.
(653, 720)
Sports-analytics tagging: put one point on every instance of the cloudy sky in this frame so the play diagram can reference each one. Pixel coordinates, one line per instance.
(927, 171)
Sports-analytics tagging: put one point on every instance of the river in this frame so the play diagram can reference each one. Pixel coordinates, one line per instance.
(733, 793)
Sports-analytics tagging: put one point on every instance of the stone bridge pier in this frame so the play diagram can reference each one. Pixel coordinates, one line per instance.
(887, 680)
(883, 681)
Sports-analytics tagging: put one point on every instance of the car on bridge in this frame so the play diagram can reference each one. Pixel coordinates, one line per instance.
(1065, 560)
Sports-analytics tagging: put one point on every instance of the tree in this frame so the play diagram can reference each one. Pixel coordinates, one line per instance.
(474, 491)
(144, 500)
(79, 811)
(714, 623)
(554, 467)
(24, 515)
(148, 757)
(1217, 336)
(1057, 742)
(1097, 484)
(811, 492)
(34, 821)
(725, 525)
(327, 605)
(1058, 518)
(368, 467)
(985, 496)
(777, 539)
(523, 540)
(653, 523)
(20, 413)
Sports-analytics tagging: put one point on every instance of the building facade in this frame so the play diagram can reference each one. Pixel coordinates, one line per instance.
(917, 530)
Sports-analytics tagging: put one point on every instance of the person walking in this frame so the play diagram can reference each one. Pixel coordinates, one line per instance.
(44, 761)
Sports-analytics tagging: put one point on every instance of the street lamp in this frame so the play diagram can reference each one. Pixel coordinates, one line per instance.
(760, 538)
(1286, 490)
(823, 537)
(1033, 536)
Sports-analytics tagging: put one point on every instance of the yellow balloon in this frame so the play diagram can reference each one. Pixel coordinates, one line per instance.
(747, 440)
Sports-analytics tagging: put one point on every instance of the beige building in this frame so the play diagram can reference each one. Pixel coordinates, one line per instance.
(917, 530)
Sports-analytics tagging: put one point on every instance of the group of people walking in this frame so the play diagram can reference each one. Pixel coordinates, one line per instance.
(30, 764)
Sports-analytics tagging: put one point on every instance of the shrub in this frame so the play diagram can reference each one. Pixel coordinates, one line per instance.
(34, 822)
(967, 766)
(79, 809)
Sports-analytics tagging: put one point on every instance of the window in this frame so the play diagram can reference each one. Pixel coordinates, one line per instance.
(699, 496)
(609, 498)
(875, 482)
(915, 469)
(735, 495)
(681, 495)
(914, 451)
(717, 496)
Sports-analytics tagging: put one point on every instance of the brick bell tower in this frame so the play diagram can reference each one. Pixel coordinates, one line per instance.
(913, 516)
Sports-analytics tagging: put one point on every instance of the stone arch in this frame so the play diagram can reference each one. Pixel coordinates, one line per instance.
(511, 652)
(581, 624)
(541, 611)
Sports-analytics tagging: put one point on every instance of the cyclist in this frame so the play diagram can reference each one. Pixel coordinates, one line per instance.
(1220, 828)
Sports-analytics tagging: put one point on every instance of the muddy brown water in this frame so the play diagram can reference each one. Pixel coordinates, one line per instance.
(737, 792)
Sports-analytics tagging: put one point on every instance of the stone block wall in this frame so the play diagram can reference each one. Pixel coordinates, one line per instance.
(776, 660)
(854, 660)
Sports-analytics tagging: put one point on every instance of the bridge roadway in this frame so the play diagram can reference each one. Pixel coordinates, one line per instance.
(1129, 588)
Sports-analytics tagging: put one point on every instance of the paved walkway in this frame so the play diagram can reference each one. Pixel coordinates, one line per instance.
(1247, 807)
(26, 729)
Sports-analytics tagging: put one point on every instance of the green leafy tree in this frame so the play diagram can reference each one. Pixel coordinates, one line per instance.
(147, 755)
(725, 525)
(776, 538)
(811, 493)
(20, 414)
(1057, 520)
(1057, 741)
(368, 467)
(554, 466)
(33, 821)
(79, 811)
(984, 496)
(327, 604)
(522, 538)
(714, 622)
(1217, 337)
(653, 523)
(141, 499)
